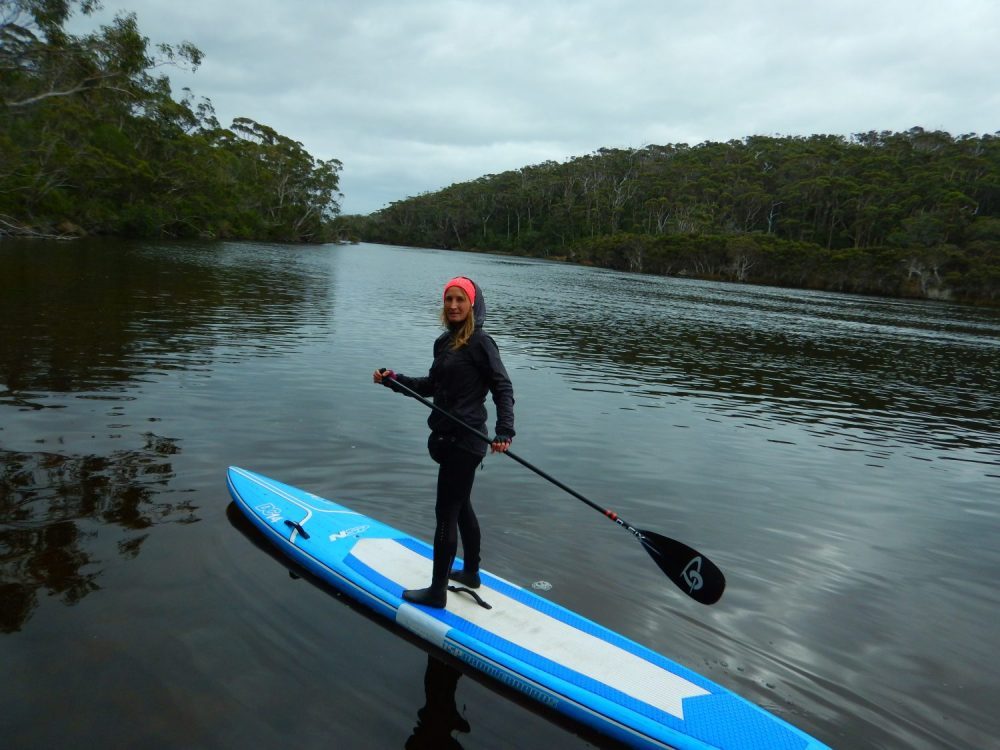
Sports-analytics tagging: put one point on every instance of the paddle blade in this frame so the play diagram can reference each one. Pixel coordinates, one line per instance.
(691, 571)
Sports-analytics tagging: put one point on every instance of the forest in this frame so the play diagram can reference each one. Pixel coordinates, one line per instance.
(93, 141)
(913, 213)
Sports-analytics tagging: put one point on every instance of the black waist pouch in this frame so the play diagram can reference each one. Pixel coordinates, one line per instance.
(439, 445)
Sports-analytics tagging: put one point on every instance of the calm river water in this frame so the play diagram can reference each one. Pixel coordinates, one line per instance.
(837, 456)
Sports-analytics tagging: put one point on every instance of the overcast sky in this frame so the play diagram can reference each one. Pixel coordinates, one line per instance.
(414, 95)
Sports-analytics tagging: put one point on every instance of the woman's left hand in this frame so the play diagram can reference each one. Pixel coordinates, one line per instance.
(500, 444)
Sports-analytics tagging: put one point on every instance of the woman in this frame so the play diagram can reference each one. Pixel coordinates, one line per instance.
(466, 366)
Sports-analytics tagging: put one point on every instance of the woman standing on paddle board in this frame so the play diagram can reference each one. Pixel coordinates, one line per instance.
(466, 367)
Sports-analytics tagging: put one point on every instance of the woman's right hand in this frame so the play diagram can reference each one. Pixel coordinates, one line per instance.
(382, 374)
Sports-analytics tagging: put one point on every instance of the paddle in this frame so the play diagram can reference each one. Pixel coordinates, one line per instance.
(691, 571)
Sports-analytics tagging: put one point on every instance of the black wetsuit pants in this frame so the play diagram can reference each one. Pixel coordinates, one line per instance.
(454, 514)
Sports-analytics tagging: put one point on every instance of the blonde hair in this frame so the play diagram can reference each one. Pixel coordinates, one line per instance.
(460, 335)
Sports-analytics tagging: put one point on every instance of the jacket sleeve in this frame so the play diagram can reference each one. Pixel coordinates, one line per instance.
(424, 386)
(501, 388)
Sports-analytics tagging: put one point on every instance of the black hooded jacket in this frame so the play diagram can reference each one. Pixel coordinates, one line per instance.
(459, 380)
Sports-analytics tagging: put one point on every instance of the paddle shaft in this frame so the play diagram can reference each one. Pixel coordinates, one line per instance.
(690, 571)
(485, 438)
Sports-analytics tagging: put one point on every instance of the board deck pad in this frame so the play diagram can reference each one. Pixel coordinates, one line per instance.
(551, 654)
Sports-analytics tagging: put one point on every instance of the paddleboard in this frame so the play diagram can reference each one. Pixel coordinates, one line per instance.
(547, 652)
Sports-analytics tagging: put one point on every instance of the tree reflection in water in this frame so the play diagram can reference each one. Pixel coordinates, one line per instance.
(54, 509)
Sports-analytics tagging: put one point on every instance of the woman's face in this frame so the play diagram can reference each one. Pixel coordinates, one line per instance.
(456, 305)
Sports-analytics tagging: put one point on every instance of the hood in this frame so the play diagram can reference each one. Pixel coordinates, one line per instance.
(479, 306)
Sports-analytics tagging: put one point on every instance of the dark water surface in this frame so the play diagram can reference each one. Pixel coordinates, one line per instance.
(837, 456)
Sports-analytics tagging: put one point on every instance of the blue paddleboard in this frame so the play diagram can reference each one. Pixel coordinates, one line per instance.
(552, 655)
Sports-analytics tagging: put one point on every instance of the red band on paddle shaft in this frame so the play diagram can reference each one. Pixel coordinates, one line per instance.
(465, 285)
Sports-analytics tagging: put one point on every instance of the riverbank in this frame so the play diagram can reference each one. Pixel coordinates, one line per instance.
(895, 273)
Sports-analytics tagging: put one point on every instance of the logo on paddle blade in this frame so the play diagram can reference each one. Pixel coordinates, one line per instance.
(347, 532)
(692, 574)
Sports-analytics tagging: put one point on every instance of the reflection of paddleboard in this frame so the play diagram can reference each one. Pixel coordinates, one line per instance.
(550, 654)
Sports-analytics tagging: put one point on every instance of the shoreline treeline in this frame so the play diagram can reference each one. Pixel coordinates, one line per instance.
(92, 141)
(913, 214)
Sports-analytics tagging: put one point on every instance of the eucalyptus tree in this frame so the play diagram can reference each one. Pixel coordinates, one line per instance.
(92, 138)
(39, 60)
(877, 212)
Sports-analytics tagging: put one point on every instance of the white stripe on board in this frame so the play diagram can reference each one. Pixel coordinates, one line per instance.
(322, 507)
(535, 631)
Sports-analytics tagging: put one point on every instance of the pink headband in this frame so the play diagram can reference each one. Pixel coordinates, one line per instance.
(465, 285)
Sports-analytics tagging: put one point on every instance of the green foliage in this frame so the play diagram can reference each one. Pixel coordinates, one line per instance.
(912, 213)
(92, 140)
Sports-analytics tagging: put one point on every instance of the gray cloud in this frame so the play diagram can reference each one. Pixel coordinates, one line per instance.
(414, 96)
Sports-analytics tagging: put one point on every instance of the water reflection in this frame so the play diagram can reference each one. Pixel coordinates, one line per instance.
(439, 718)
(867, 369)
(59, 513)
(93, 315)
(94, 319)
